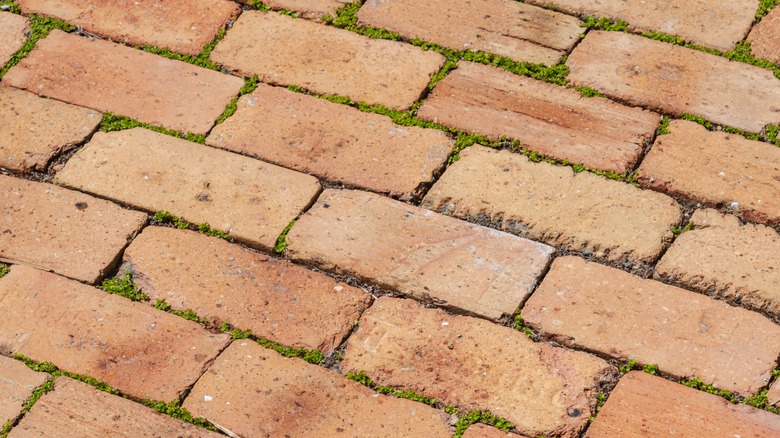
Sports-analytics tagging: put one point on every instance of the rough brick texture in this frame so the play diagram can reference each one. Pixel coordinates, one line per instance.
(306, 8)
(765, 37)
(12, 28)
(478, 430)
(773, 394)
(17, 383)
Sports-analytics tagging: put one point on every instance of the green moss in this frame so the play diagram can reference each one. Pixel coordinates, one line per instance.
(206, 229)
(114, 122)
(519, 324)
(764, 7)
(346, 18)
(124, 287)
(408, 394)
(770, 134)
(164, 217)
(666, 38)
(12, 7)
(281, 241)
(633, 365)
(480, 416)
(161, 304)
(234, 332)
(698, 119)
(175, 410)
(39, 28)
(589, 92)
(604, 23)
(201, 59)
(3, 270)
(663, 128)
(48, 367)
(676, 230)
(250, 85)
(697, 383)
(312, 356)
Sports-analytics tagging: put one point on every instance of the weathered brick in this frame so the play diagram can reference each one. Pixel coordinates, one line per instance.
(472, 364)
(251, 200)
(765, 37)
(139, 350)
(110, 77)
(307, 8)
(183, 27)
(60, 230)
(676, 80)
(643, 406)
(12, 28)
(552, 204)
(518, 31)
(33, 130)
(253, 391)
(417, 252)
(372, 70)
(553, 120)
(773, 395)
(597, 308)
(334, 142)
(226, 283)
(478, 430)
(17, 383)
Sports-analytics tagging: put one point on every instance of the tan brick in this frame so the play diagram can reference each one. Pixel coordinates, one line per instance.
(371, 70)
(552, 204)
(482, 431)
(33, 130)
(676, 80)
(251, 200)
(553, 120)
(139, 350)
(773, 395)
(253, 391)
(518, 31)
(765, 37)
(12, 29)
(61, 230)
(334, 142)
(472, 364)
(646, 406)
(307, 8)
(226, 283)
(597, 308)
(417, 252)
(110, 77)
(17, 383)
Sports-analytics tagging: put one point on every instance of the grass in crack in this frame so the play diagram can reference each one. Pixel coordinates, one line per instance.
(188, 314)
(10, 6)
(281, 241)
(37, 393)
(250, 85)
(48, 367)
(263, 7)
(480, 416)
(3, 270)
(764, 6)
(200, 60)
(164, 217)
(697, 383)
(312, 356)
(633, 365)
(663, 128)
(519, 325)
(408, 394)
(39, 29)
(604, 23)
(175, 410)
(124, 287)
(114, 122)
(676, 230)
(346, 18)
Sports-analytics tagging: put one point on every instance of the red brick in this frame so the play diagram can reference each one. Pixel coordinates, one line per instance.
(17, 383)
(335, 142)
(553, 120)
(110, 77)
(417, 252)
(139, 350)
(372, 70)
(773, 394)
(12, 29)
(764, 39)
(253, 391)
(61, 230)
(307, 8)
(482, 431)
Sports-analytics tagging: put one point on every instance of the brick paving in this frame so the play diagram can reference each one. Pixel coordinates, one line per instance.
(12, 28)
(17, 383)
(765, 37)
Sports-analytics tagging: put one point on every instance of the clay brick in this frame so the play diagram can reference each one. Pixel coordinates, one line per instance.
(597, 308)
(553, 120)
(60, 230)
(109, 77)
(183, 27)
(478, 430)
(765, 37)
(676, 80)
(12, 38)
(371, 70)
(334, 142)
(417, 252)
(472, 364)
(552, 204)
(33, 130)
(251, 200)
(642, 405)
(17, 383)
(508, 28)
(773, 395)
(307, 8)
(253, 391)
(226, 283)
(139, 350)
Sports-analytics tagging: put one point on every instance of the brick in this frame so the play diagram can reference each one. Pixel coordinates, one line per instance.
(552, 204)
(518, 31)
(77, 409)
(226, 283)
(183, 27)
(12, 29)
(472, 364)
(598, 308)
(478, 430)
(17, 383)
(33, 130)
(676, 80)
(251, 200)
(306, 8)
(721, 257)
(419, 253)
(765, 36)
(375, 71)
(643, 405)
(773, 394)
(253, 391)
(59, 230)
(119, 79)
(139, 350)
(335, 142)
(553, 120)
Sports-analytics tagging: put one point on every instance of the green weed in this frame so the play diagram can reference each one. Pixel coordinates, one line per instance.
(519, 324)
(604, 23)
(764, 6)
(676, 230)
(234, 332)
(4, 270)
(250, 85)
(281, 241)
(312, 356)
(480, 416)
(408, 394)
(124, 287)
(697, 383)
(200, 60)
(175, 410)
(114, 122)
(164, 217)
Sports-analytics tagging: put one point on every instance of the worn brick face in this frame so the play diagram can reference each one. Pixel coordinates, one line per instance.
(17, 383)
(765, 37)
(307, 8)
(12, 28)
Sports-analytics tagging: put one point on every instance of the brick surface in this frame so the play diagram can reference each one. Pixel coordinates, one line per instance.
(251, 200)
(645, 406)
(547, 118)
(508, 28)
(482, 431)
(17, 383)
(61, 230)
(253, 391)
(334, 142)
(472, 364)
(773, 395)
(183, 27)
(12, 28)
(765, 37)
(139, 350)
(226, 283)
(597, 308)
(110, 77)
(307, 8)
(552, 204)
(418, 252)
(353, 65)
(33, 130)
(676, 80)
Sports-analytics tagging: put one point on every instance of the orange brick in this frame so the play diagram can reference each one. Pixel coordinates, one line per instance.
(17, 383)
(12, 28)
(765, 37)
(307, 8)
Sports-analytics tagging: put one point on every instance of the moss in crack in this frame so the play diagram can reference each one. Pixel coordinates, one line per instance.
(697, 383)
(37, 393)
(346, 18)
(39, 29)
(164, 217)
(201, 59)
(250, 85)
(770, 134)
(676, 230)
(764, 6)
(235, 332)
(408, 394)
(601, 398)
(633, 365)
(188, 314)
(263, 7)
(10, 6)
(124, 287)
(206, 229)
(589, 92)
(3, 270)
(312, 356)
(281, 241)
(175, 410)
(519, 325)
(114, 122)
(480, 416)
(663, 128)
(48, 367)
(604, 23)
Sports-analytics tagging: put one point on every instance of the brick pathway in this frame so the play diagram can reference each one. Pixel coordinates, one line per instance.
(390, 218)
